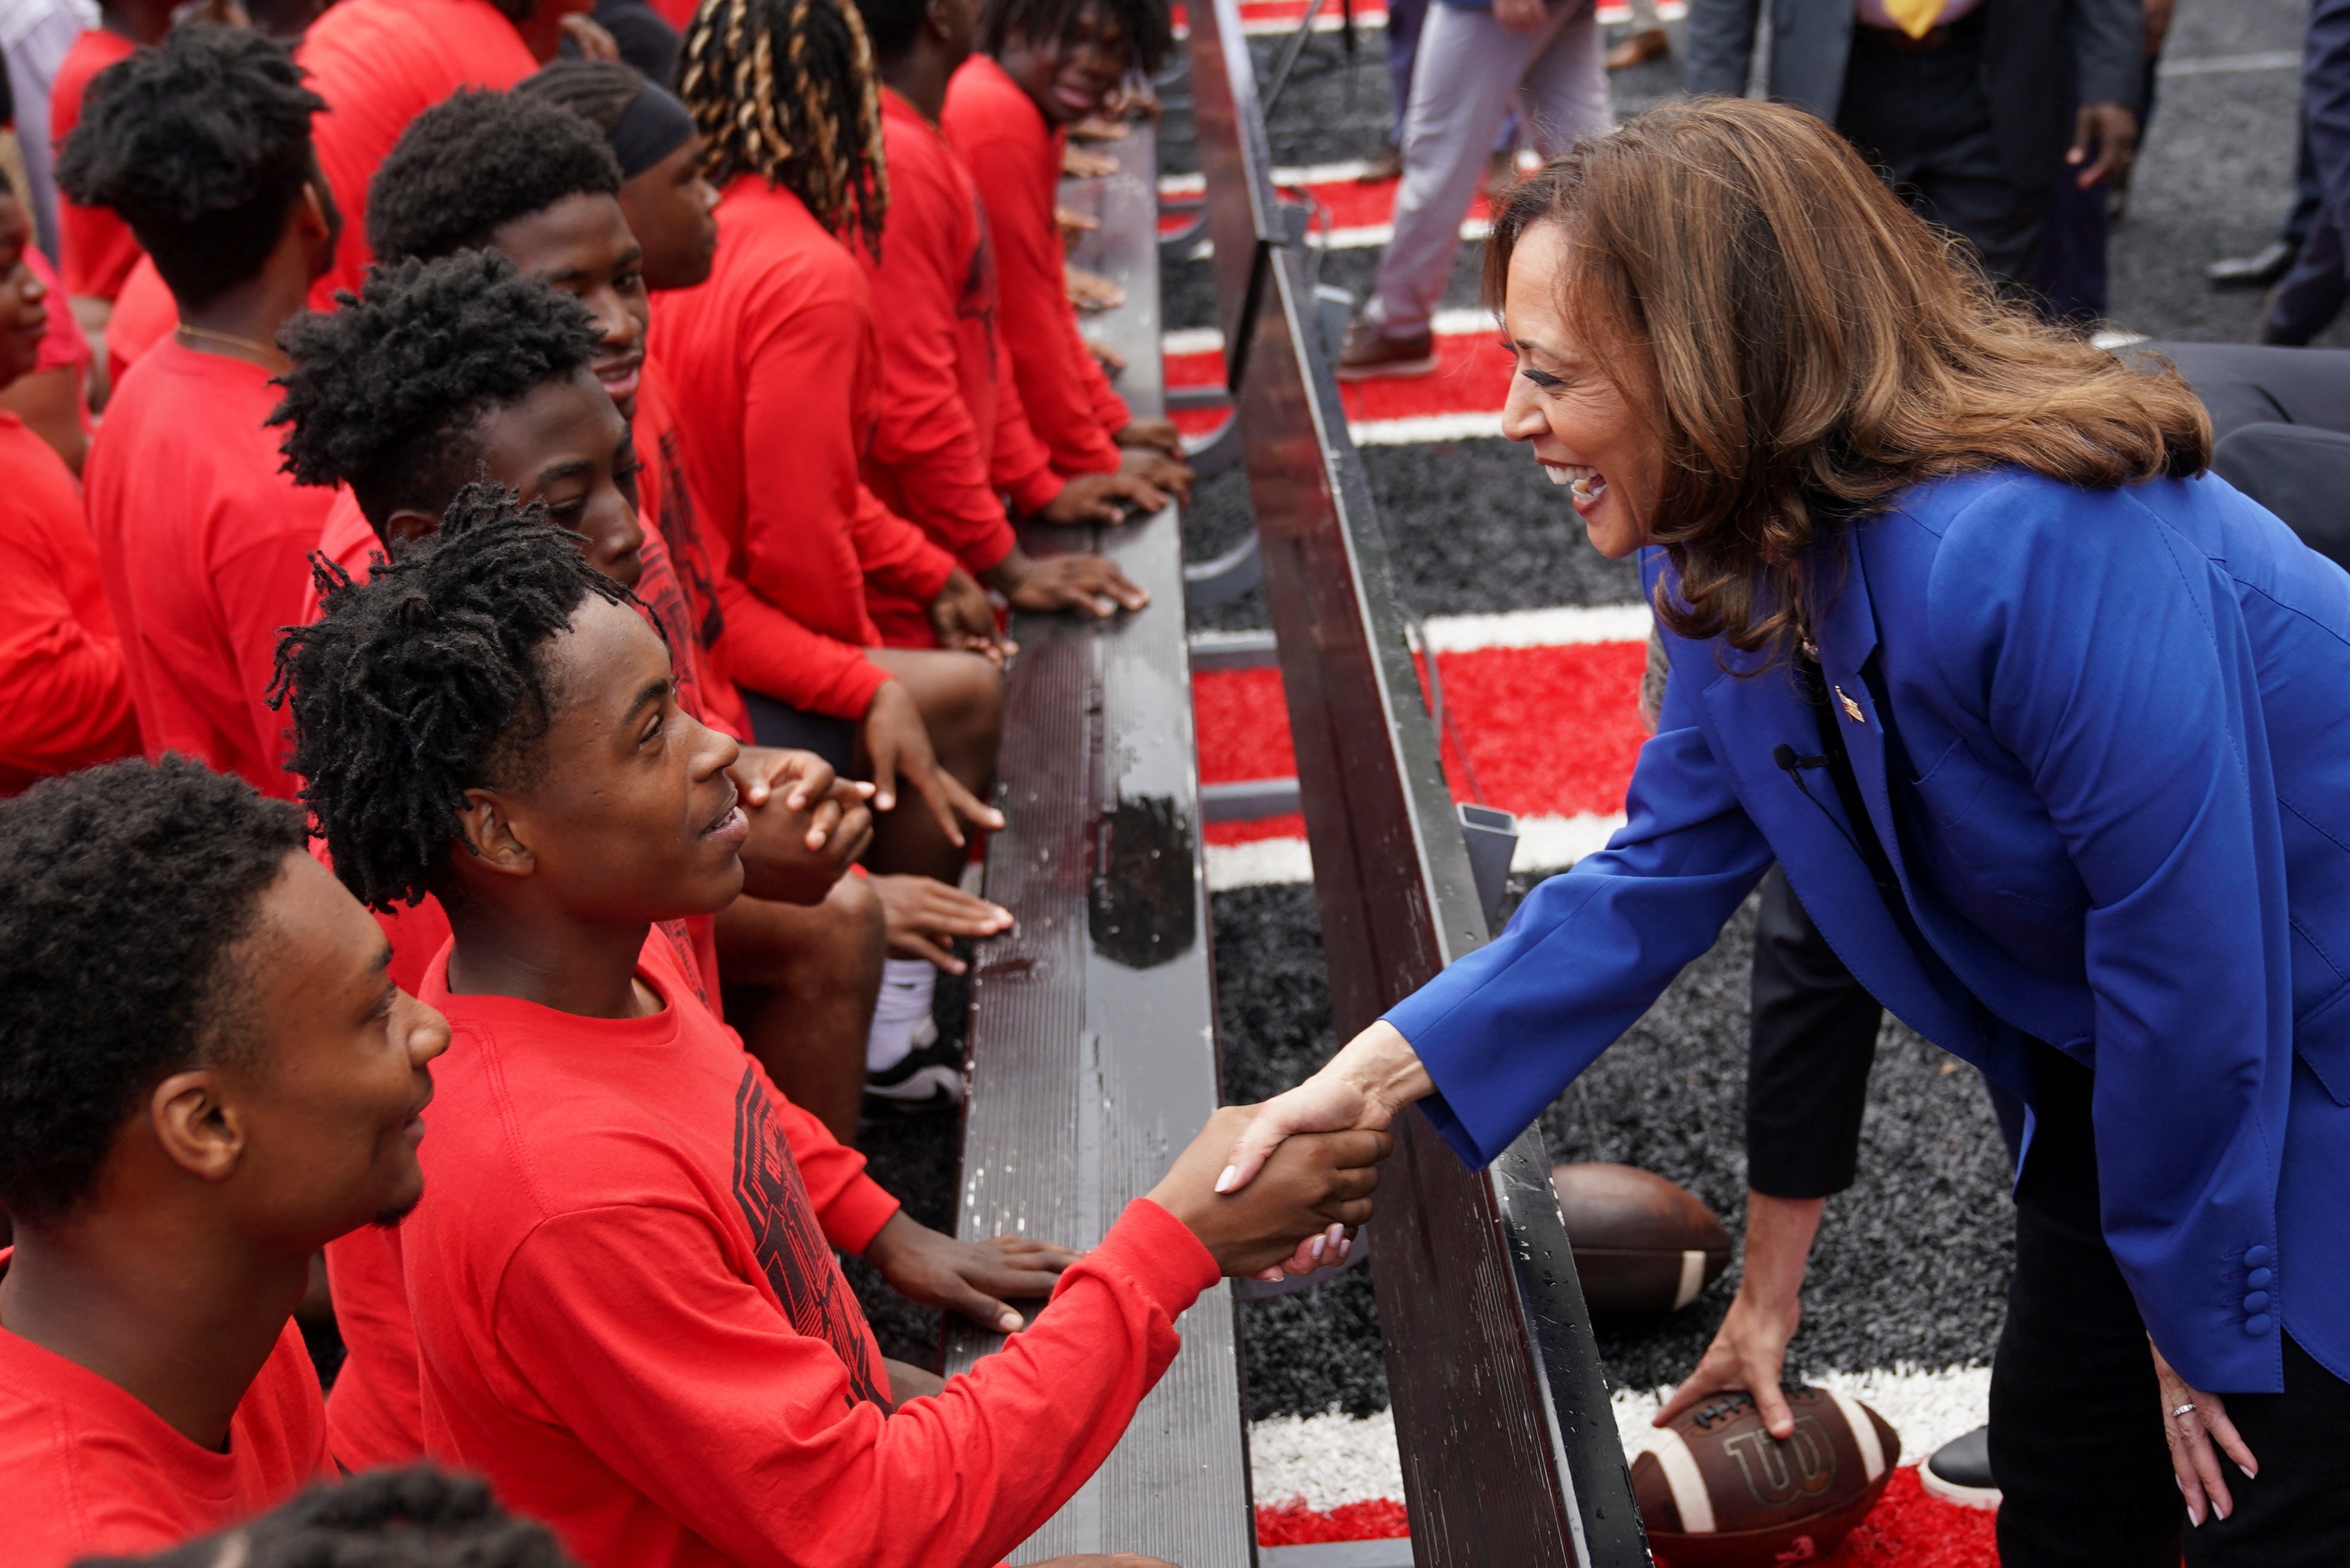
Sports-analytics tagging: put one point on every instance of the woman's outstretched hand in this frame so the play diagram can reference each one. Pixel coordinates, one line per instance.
(1376, 1074)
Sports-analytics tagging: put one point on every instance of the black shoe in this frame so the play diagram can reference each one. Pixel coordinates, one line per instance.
(2259, 270)
(1960, 1471)
(928, 1081)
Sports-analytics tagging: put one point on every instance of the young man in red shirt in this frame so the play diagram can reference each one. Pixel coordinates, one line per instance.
(204, 146)
(1043, 66)
(95, 249)
(65, 696)
(632, 1324)
(205, 1075)
(380, 63)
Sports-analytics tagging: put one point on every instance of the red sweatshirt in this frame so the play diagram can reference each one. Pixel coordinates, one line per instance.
(64, 347)
(65, 697)
(697, 556)
(88, 1470)
(773, 365)
(631, 1322)
(1015, 158)
(380, 64)
(95, 249)
(204, 547)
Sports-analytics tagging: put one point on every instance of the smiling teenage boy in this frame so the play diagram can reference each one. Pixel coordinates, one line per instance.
(632, 1325)
(205, 1075)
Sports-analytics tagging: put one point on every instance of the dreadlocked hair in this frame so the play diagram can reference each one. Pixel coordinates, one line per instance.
(786, 89)
(415, 1518)
(427, 681)
(1141, 25)
(385, 392)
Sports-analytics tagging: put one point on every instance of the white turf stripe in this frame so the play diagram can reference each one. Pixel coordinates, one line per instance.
(1209, 340)
(1258, 864)
(1927, 1409)
(1545, 844)
(1693, 1281)
(1337, 173)
(1419, 429)
(1564, 626)
(1686, 1483)
(1863, 1434)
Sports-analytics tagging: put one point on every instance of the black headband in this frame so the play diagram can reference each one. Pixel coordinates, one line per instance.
(654, 125)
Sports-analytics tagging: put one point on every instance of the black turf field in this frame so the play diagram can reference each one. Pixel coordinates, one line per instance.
(1912, 1263)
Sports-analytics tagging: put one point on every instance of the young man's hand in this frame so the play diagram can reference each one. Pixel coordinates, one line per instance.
(1092, 584)
(1095, 498)
(1320, 1185)
(806, 824)
(936, 1271)
(1158, 435)
(964, 619)
(923, 915)
(1154, 467)
(1090, 290)
(897, 744)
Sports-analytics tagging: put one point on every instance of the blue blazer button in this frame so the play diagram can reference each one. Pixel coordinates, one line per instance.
(2259, 1279)
(2257, 1302)
(2257, 1325)
(2256, 1256)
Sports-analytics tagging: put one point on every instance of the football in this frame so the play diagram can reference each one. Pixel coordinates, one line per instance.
(1643, 1247)
(1719, 1491)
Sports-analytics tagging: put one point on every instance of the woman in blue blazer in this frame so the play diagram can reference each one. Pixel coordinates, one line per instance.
(2051, 731)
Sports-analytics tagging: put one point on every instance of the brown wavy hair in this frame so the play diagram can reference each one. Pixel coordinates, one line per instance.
(1807, 347)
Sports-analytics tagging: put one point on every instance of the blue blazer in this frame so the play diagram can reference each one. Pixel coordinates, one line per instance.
(2116, 795)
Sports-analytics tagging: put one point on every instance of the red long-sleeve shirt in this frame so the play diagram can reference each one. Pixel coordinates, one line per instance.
(65, 696)
(773, 363)
(88, 1470)
(204, 548)
(697, 554)
(631, 1322)
(380, 64)
(95, 249)
(1015, 160)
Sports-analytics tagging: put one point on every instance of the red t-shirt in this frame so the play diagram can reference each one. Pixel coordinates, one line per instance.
(375, 1415)
(696, 555)
(774, 368)
(204, 547)
(1015, 160)
(95, 249)
(630, 1322)
(89, 1469)
(64, 346)
(380, 64)
(144, 315)
(65, 697)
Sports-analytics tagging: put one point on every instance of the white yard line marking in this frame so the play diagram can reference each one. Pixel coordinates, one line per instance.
(1457, 323)
(1545, 843)
(1564, 626)
(1416, 429)
(1260, 863)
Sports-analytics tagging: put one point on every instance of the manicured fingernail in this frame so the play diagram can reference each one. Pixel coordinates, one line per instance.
(2218, 1510)
(2247, 1472)
(2194, 1516)
(1225, 1182)
(1345, 1247)
(1319, 1242)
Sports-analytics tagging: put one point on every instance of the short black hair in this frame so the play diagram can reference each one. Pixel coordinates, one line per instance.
(597, 91)
(476, 162)
(427, 681)
(1144, 22)
(892, 26)
(386, 390)
(202, 146)
(123, 890)
(420, 1517)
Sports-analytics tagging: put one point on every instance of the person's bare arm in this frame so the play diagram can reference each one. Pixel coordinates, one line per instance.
(1751, 1347)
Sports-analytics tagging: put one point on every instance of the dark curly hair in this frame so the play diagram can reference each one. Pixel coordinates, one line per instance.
(415, 1518)
(385, 392)
(1149, 35)
(202, 146)
(476, 162)
(123, 890)
(599, 91)
(428, 680)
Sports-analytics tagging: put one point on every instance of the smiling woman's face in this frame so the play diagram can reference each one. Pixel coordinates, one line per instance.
(1585, 432)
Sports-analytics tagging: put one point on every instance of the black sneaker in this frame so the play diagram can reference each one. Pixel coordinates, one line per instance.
(1960, 1471)
(927, 1082)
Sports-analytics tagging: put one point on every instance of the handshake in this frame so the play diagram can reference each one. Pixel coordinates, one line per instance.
(1314, 1189)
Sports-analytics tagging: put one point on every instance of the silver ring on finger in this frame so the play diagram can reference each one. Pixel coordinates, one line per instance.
(2183, 1411)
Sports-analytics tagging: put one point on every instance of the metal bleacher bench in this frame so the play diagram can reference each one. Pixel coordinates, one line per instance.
(1093, 1042)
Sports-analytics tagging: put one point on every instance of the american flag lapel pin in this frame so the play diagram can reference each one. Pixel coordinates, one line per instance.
(1851, 709)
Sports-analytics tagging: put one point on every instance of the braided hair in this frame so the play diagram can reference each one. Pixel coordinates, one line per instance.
(786, 89)
(427, 681)
(415, 1518)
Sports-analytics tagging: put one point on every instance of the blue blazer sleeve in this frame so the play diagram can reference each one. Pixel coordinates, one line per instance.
(2103, 652)
(1504, 1030)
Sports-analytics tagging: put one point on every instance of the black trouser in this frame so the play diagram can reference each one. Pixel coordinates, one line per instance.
(1925, 117)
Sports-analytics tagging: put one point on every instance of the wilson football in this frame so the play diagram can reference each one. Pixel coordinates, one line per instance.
(1719, 1491)
(1643, 1247)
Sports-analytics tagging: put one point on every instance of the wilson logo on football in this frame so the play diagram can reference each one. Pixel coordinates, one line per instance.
(1781, 1474)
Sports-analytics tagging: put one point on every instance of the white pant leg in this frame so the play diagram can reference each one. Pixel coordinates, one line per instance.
(1468, 68)
(1566, 88)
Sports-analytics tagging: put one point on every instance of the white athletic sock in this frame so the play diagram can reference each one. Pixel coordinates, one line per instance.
(899, 1013)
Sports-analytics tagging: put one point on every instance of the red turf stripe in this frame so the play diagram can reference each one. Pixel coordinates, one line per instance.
(1471, 377)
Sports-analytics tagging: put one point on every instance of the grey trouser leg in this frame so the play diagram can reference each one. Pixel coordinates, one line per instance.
(1468, 72)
